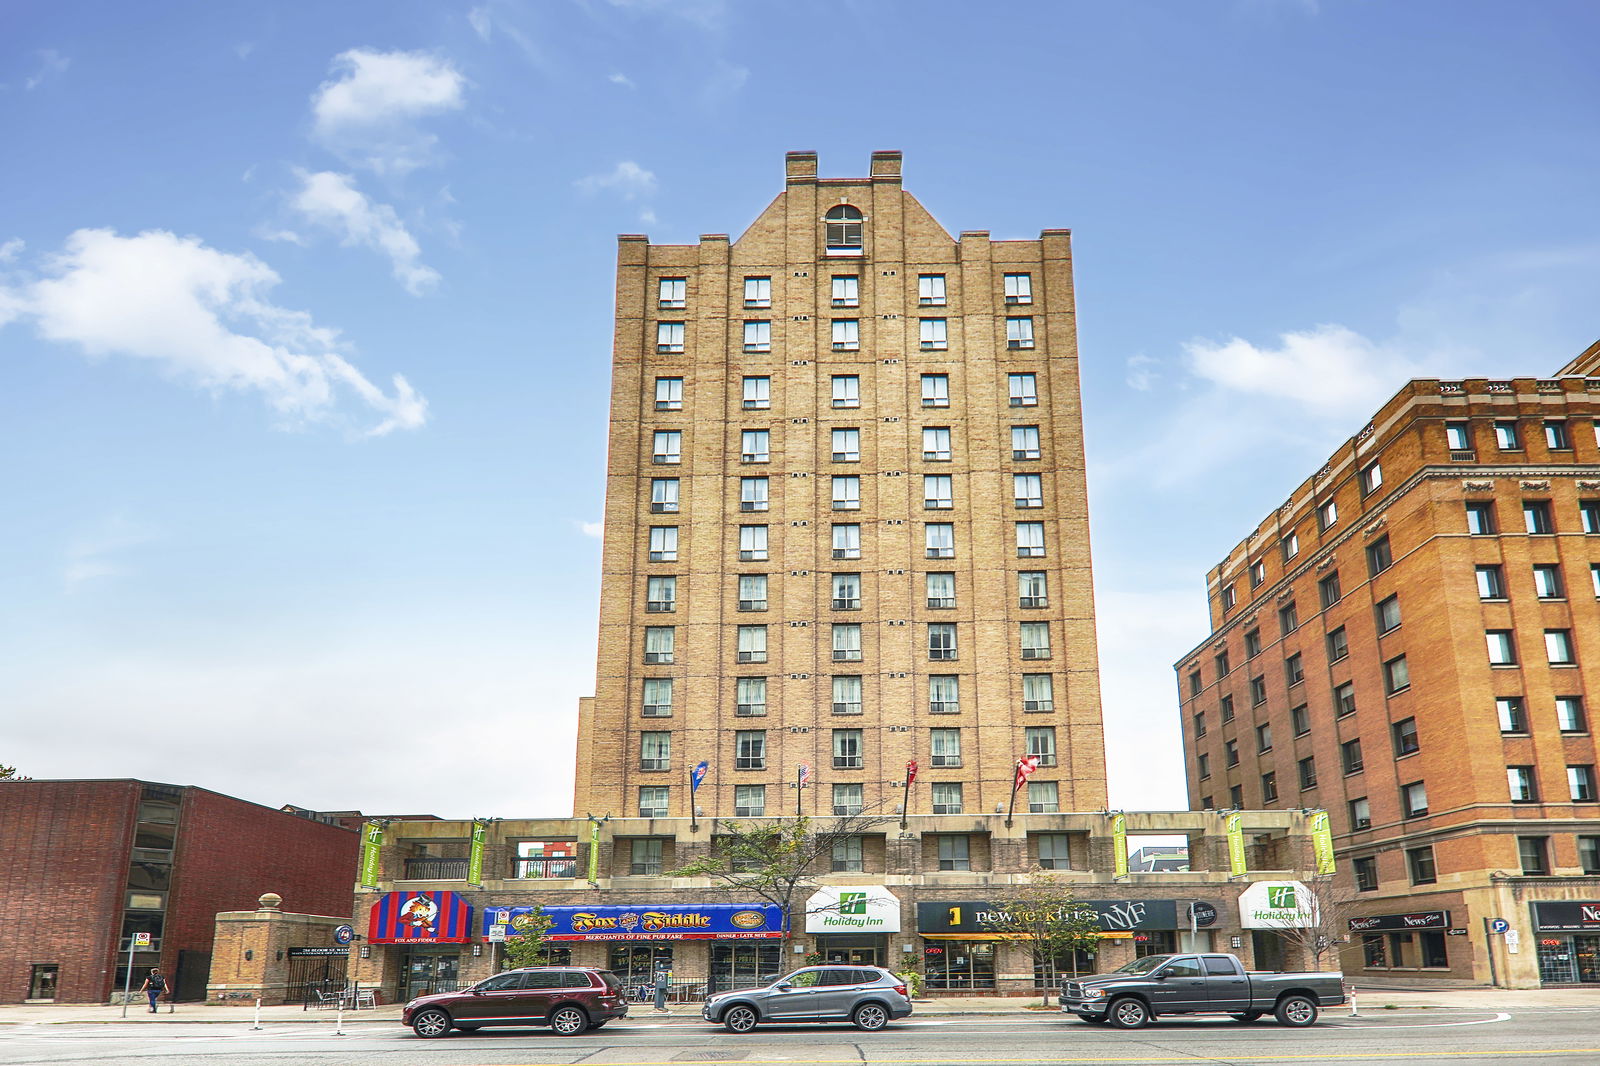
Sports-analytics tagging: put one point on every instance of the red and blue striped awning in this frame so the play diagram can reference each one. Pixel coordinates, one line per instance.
(420, 918)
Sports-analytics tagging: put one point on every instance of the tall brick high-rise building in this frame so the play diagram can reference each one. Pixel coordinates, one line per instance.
(846, 519)
(1412, 642)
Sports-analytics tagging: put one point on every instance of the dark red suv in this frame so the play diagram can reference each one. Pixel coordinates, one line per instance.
(569, 999)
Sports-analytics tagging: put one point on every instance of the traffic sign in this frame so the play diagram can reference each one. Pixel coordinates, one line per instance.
(141, 940)
(497, 934)
(1498, 925)
(344, 934)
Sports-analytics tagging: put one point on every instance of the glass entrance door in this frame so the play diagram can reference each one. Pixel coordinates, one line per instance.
(865, 950)
(427, 972)
(42, 985)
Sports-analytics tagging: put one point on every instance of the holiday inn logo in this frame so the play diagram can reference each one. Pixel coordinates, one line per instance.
(1281, 897)
(852, 903)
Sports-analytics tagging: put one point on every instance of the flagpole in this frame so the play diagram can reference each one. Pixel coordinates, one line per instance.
(799, 787)
(1016, 782)
(694, 826)
(905, 807)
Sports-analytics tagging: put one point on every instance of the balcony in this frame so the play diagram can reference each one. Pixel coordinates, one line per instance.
(435, 870)
(555, 868)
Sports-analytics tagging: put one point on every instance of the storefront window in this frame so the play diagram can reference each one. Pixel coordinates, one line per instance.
(958, 964)
(1566, 960)
(636, 964)
(1400, 949)
(1372, 954)
(1433, 950)
(1050, 971)
(744, 965)
(1154, 942)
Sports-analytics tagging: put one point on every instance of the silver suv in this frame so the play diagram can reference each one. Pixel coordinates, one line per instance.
(869, 996)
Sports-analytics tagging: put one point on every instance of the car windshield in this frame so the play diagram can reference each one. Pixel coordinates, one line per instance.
(1144, 965)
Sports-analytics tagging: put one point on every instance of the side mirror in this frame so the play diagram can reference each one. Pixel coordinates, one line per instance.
(1160, 975)
(785, 986)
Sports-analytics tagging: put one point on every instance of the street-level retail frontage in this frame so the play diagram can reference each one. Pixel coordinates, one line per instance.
(423, 932)
(1568, 933)
(852, 923)
(1416, 940)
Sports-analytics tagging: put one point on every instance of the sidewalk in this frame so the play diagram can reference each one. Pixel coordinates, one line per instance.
(1369, 1000)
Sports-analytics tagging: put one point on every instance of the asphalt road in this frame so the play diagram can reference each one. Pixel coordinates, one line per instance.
(1386, 1038)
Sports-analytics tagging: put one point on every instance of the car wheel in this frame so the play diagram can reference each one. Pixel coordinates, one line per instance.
(1246, 1017)
(871, 1017)
(569, 1021)
(1129, 1013)
(431, 1023)
(740, 1019)
(1296, 1011)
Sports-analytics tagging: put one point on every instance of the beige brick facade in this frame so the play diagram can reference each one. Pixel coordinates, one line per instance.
(794, 331)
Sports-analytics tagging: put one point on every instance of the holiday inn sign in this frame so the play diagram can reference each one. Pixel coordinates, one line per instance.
(853, 909)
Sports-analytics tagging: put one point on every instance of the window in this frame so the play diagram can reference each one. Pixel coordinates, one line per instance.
(1502, 651)
(1404, 733)
(944, 694)
(668, 447)
(1041, 741)
(1506, 437)
(846, 334)
(1457, 438)
(847, 592)
(1225, 706)
(750, 749)
(752, 543)
(1558, 647)
(1203, 763)
(664, 495)
(947, 800)
(846, 642)
(1480, 518)
(1263, 738)
(1288, 618)
(658, 697)
(1413, 799)
(846, 540)
(669, 336)
(1338, 645)
(938, 492)
(1294, 670)
(660, 594)
(1230, 750)
(930, 290)
(1258, 691)
(1521, 782)
(1038, 692)
(1269, 787)
(1258, 573)
(1555, 436)
(848, 800)
(1024, 389)
(1547, 582)
(669, 394)
(944, 748)
(645, 853)
(1387, 613)
(1195, 684)
(936, 390)
(936, 444)
(1027, 490)
(1379, 556)
(1044, 797)
(750, 697)
(758, 292)
(1019, 332)
(1290, 546)
(952, 849)
(1054, 852)
(1569, 715)
(755, 446)
(1300, 720)
(1371, 478)
(655, 751)
(1419, 862)
(1580, 784)
(842, 229)
(757, 393)
(752, 592)
(1327, 515)
(1594, 577)
(846, 445)
(846, 390)
(1511, 714)
(752, 644)
(1491, 582)
(941, 641)
(1344, 699)
(1230, 596)
(847, 749)
(749, 801)
(1328, 590)
(1536, 516)
(1024, 442)
(753, 494)
(1533, 855)
(1366, 870)
(1019, 288)
(847, 493)
(1589, 854)
(653, 804)
(847, 857)
(935, 335)
(1033, 588)
(940, 540)
(1236, 796)
(1350, 756)
(1308, 772)
(846, 290)
(672, 292)
(847, 694)
(941, 589)
(1220, 661)
(1396, 675)
(1199, 724)
(658, 642)
(758, 335)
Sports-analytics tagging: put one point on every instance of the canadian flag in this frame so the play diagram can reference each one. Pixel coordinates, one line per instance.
(1025, 766)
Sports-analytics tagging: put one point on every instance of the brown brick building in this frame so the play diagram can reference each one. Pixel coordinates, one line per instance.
(88, 864)
(1412, 642)
(846, 518)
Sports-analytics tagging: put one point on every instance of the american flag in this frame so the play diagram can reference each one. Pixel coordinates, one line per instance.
(805, 774)
(1025, 766)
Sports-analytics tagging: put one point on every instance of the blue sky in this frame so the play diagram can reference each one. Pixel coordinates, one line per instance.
(305, 317)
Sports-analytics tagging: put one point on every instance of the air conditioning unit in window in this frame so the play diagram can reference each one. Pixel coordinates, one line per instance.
(1036, 653)
(847, 553)
(1362, 823)
(749, 505)
(1035, 601)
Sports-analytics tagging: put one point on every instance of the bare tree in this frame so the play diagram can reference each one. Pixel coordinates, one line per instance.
(1045, 919)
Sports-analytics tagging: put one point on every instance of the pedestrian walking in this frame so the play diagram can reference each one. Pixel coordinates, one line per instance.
(154, 986)
(663, 984)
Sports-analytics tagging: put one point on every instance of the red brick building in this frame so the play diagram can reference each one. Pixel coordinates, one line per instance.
(89, 864)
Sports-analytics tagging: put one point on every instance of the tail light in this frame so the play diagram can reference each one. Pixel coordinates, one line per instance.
(902, 990)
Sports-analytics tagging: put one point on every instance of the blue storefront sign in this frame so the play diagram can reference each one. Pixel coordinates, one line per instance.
(758, 921)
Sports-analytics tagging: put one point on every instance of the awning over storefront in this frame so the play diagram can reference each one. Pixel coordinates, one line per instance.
(1394, 923)
(962, 919)
(670, 921)
(1567, 916)
(420, 918)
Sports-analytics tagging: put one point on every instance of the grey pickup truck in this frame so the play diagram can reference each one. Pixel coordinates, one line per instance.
(1158, 985)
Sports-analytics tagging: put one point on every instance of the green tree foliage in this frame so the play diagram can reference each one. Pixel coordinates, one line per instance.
(525, 943)
(1043, 917)
(9, 773)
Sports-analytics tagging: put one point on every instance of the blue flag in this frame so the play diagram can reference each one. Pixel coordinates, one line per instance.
(697, 776)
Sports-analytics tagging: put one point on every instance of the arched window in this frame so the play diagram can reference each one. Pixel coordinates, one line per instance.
(844, 227)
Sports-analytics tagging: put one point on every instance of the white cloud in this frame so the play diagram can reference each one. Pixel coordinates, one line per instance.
(648, 217)
(201, 316)
(282, 236)
(628, 180)
(596, 530)
(332, 201)
(96, 554)
(51, 63)
(11, 249)
(481, 25)
(1141, 372)
(619, 78)
(367, 114)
